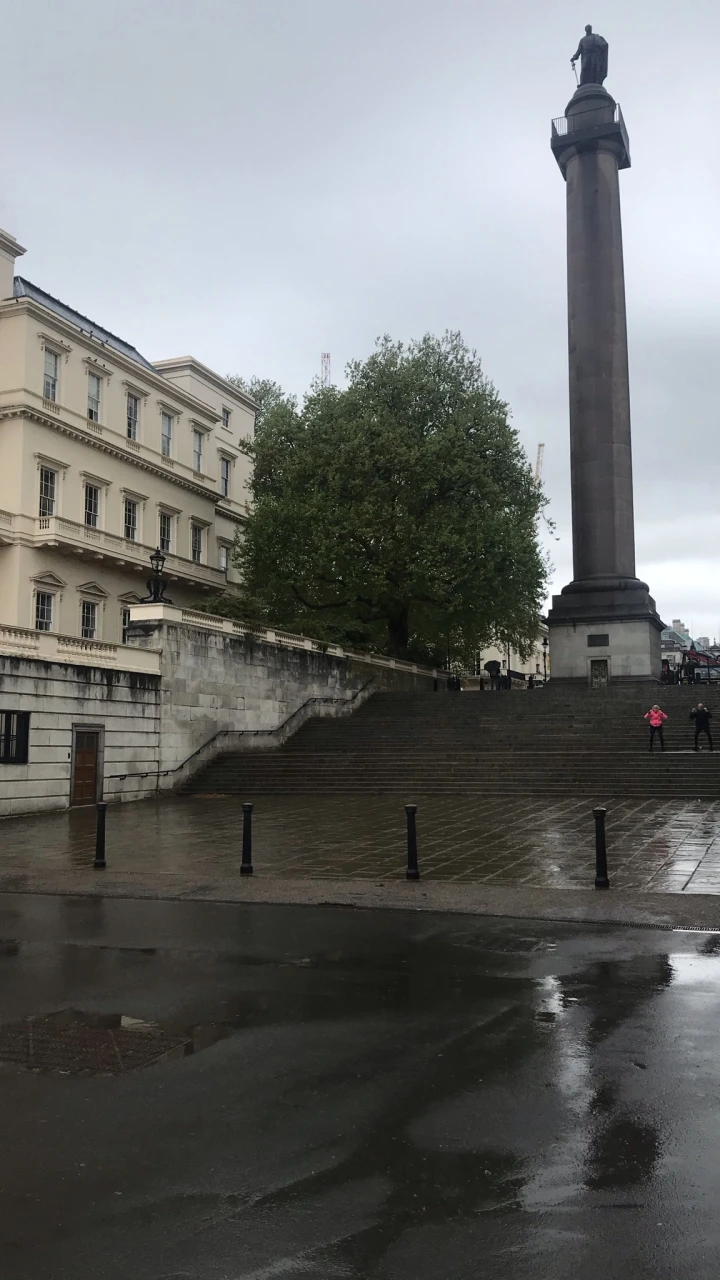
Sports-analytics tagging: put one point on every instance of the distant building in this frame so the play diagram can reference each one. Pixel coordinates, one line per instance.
(676, 635)
(532, 666)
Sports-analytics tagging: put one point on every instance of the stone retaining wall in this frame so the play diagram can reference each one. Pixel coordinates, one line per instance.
(123, 705)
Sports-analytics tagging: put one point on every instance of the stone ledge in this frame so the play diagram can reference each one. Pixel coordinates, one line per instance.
(575, 906)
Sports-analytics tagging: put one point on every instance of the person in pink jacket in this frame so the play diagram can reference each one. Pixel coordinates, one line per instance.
(657, 718)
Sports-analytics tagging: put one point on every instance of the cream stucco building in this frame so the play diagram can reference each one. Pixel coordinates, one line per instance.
(103, 457)
(537, 665)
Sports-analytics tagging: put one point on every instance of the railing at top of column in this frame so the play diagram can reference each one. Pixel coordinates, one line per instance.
(587, 120)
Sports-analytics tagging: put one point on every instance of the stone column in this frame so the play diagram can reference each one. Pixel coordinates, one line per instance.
(600, 448)
(591, 145)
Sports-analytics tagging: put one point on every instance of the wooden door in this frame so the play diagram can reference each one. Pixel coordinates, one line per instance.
(85, 768)
(598, 672)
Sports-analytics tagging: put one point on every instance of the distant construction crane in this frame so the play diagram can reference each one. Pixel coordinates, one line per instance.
(325, 369)
(539, 463)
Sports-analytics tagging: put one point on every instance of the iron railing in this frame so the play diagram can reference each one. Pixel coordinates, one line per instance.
(589, 119)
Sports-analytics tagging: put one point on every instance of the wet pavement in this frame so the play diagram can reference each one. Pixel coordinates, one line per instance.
(397, 1097)
(669, 847)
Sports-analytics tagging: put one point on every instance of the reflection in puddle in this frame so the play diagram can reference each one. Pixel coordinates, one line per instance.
(77, 1042)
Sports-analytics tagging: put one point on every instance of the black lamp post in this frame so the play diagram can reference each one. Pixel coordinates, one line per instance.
(156, 584)
(545, 649)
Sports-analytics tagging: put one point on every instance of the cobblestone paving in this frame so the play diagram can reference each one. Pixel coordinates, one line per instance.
(671, 847)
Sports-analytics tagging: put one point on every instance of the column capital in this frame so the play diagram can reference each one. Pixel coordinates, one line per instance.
(593, 121)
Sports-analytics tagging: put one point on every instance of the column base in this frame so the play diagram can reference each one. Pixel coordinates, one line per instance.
(604, 630)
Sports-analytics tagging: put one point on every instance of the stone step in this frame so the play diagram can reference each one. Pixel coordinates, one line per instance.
(571, 742)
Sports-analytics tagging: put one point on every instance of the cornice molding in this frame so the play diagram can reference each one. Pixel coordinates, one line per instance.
(95, 366)
(47, 579)
(55, 344)
(28, 306)
(94, 479)
(92, 589)
(10, 246)
(226, 388)
(40, 458)
(230, 515)
(172, 409)
(135, 390)
(104, 446)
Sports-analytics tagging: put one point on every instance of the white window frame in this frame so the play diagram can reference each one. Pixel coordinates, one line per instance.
(89, 484)
(165, 515)
(90, 605)
(226, 416)
(198, 529)
(44, 468)
(132, 434)
(136, 505)
(54, 377)
(225, 480)
(94, 403)
(198, 448)
(223, 554)
(124, 622)
(166, 418)
(51, 596)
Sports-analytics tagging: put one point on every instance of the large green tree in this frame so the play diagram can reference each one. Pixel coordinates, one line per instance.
(399, 513)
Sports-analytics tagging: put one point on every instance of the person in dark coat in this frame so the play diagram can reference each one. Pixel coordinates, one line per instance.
(493, 669)
(701, 716)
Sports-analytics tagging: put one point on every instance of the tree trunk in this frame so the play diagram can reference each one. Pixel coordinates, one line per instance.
(398, 631)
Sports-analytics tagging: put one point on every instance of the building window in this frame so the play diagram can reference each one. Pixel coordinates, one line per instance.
(50, 380)
(165, 531)
(14, 734)
(196, 542)
(124, 624)
(225, 477)
(48, 491)
(88, 620)
(223, 558)
(94, 386)
(226, 418)
(92, 505)
(197, 450)
(133, 409)
(167, 426)
(130, 520)
(44, 611)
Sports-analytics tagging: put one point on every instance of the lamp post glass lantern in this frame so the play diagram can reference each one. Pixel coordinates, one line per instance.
(156, 584)
(157, 560)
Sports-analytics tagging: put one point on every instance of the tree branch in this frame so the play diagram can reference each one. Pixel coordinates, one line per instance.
(334, 604)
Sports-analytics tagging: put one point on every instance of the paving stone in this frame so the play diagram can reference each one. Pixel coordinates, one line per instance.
(468, 840)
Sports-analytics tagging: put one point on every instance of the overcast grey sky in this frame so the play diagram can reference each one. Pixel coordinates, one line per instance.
(256, 181)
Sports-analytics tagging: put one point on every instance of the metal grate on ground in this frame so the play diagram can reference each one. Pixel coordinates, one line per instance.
(72, 1043)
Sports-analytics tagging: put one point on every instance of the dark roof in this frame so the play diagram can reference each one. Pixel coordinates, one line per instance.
(24, 289)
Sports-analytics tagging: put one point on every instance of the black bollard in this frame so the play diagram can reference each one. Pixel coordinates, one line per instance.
(601, 870)
(246, 866)
(412, 872)
(100, 835)
(435, 685)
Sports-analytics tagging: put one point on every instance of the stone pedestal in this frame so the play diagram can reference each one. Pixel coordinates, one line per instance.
(605, 600)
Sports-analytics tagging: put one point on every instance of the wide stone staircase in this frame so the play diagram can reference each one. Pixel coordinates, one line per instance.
(556, 741)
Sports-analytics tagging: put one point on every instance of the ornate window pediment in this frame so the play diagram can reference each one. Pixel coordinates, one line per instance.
(49, 580)
(92, 589)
